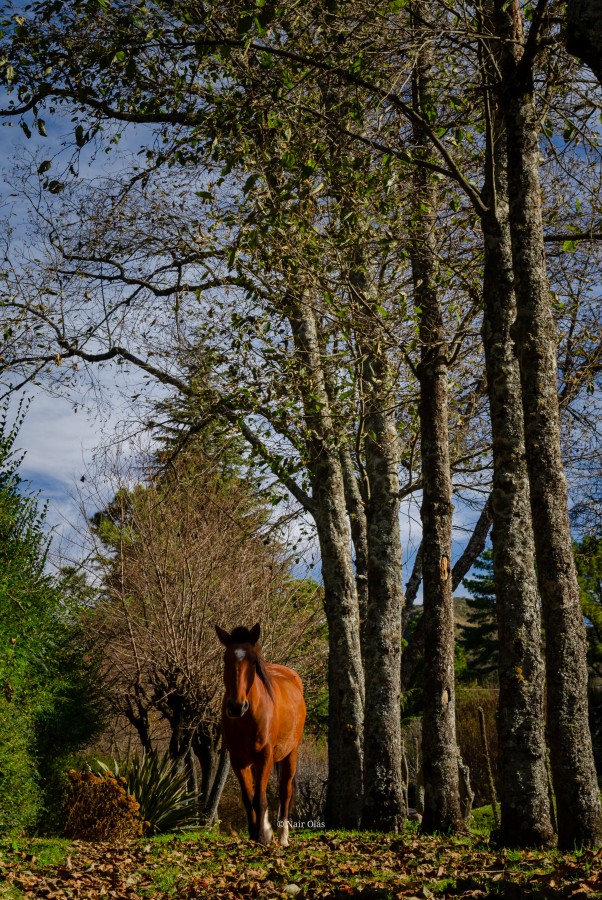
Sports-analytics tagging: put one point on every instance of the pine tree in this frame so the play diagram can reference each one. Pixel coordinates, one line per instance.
(479, 637)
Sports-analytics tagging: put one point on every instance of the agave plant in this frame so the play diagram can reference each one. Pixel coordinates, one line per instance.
(160, 789)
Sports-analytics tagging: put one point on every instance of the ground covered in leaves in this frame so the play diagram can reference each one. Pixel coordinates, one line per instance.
(324, 865)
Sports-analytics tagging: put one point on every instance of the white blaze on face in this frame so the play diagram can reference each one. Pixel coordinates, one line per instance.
(240, 654)
(283, 833)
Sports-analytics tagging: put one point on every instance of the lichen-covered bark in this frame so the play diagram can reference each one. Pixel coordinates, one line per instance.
(442, 810)
(359, 536)
(356, 512)
(384, 797)
(579, 811)
(523, 787)
(584, 33)
(345, 673)
(439, 750)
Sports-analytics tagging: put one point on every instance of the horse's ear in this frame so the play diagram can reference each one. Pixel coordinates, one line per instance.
(223, 636)
(254, 633)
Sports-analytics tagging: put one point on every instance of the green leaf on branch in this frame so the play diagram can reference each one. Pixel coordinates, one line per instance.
(569, 246)
(81, 137)
(55, 186)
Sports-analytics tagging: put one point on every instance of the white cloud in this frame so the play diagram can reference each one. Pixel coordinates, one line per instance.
(58, 444)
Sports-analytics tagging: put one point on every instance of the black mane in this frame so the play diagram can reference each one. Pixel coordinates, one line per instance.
(264, 675)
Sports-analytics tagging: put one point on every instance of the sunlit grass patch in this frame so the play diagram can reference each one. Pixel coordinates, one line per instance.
(37, 852)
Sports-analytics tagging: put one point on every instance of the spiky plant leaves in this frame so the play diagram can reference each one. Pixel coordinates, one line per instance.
(161, 788)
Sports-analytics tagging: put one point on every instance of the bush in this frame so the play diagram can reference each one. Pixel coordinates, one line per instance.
(100, 809)
(49, 700)
(19, 804)
(311, 780)
(468, 701)
(159, 788)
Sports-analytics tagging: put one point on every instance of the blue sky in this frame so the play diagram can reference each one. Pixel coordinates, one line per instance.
(61, 434)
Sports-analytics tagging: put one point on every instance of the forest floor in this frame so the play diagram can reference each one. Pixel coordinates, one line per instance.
(323, 865)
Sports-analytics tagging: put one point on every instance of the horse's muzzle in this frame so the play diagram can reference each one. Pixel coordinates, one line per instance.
(236, 710)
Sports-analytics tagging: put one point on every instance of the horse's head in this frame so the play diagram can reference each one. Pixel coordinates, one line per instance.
(240, 667)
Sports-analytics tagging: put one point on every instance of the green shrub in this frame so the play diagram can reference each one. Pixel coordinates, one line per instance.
(50, 704)
(468, 700)
(100, 809)
(19, 794)
(160, 789)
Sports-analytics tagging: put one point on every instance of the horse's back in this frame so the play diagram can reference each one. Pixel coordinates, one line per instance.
(291, 710)
(285, 677)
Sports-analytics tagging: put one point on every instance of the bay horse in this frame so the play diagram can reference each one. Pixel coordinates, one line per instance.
(263, 714)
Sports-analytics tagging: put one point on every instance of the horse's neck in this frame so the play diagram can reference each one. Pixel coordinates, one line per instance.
(262, 695)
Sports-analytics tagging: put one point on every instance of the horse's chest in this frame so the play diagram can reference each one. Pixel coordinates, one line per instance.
(244, 743)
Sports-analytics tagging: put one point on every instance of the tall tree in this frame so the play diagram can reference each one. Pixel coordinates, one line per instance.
(440, 755)
(384, 806)
(525, 818)
(345, 673)
(373, 495)
(579, 810)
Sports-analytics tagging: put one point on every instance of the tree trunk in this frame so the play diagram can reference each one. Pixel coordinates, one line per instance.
(439, 749)
(204, 745)
(575, 785)
(345, 672)
(359, 535)
(384, 797)
(584, 33)
(135, 710)
(193, 779)
(442, 810)
(219, 782)
(525, 809)
(373, 504)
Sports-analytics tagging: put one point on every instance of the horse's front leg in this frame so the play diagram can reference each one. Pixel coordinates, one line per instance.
(245, 779)
(262, 769)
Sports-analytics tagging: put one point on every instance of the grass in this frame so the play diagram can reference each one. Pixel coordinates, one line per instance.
(206, 864)
(482, 821)
(35, 855)
(38, 852)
